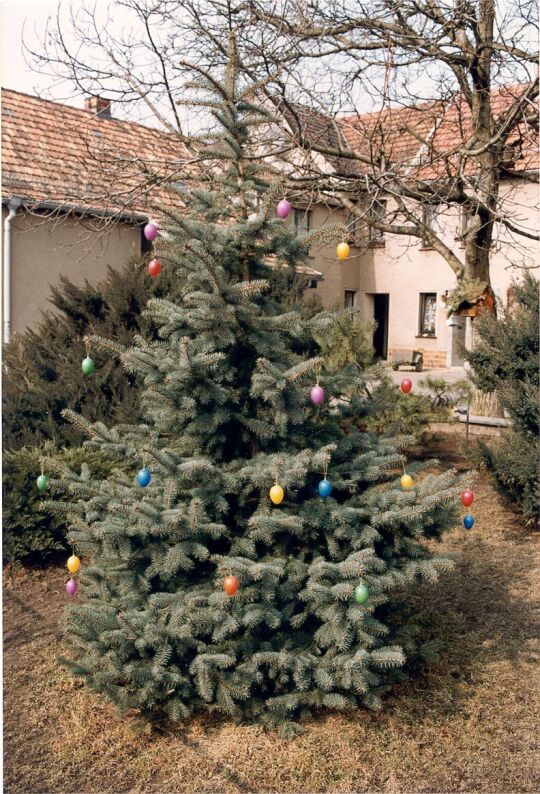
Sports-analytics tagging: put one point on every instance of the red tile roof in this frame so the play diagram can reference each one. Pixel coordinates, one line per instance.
(422, 141)
(68, 156)
(318, 129)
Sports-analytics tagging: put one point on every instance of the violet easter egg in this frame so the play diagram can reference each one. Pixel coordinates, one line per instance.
(151, 231)
(467, 497)
(72, 587)
(317, 395)
(283, 209)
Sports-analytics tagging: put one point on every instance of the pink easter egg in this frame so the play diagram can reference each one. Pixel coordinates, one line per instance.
(317, 395)
(151, 231)
(283, 209)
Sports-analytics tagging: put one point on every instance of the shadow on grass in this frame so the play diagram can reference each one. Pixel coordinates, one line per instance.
(477, 621)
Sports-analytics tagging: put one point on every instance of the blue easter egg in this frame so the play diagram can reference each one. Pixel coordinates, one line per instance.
(144, 477)
(468, 521)
(325, 489)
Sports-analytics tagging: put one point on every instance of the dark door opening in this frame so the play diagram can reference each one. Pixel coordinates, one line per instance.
(381, 304)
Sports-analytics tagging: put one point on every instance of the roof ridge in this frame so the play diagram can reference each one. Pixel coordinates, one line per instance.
(90, 113)
(425, 103)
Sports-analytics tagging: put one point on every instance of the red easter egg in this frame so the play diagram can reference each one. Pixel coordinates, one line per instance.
(154, 267)
(467, 497)
(230, 585)
(406, 386)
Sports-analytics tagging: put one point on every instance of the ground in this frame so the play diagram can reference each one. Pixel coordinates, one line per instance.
(467, 723)
(449, 374)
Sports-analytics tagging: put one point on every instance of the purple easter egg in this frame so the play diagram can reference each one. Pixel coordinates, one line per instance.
(151, 231)
(317, 395)
(71, 587)
(283, 209)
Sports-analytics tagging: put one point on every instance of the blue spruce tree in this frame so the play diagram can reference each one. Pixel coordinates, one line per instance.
(226, 397)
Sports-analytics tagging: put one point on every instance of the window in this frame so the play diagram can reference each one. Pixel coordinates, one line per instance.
(146, 245)
(428, 313)
(350, 298)
(429, 219)
(352, 228)
(377, 212)
(302, 221)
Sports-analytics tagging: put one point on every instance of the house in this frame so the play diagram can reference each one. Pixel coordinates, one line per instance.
(78, 186)
(400, 281)
(67, 172)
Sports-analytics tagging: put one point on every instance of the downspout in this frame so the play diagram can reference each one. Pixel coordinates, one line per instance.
(13, 206)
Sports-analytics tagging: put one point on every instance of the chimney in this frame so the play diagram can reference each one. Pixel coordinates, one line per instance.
(101, 107)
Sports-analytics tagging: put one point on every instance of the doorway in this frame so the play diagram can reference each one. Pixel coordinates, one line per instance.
(381, 303)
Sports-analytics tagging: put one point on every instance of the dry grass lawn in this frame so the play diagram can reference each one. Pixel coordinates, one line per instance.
(467, 724)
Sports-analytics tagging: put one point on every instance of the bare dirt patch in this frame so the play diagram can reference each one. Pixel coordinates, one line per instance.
(469, 723)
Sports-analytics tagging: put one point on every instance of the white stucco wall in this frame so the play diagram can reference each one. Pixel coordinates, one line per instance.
(403, 270)
(43, 249)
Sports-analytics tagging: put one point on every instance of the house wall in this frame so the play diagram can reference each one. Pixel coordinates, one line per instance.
(338, 276)
(43, 249)
(403, 270)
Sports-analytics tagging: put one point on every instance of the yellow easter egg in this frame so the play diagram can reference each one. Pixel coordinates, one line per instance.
(276, 494)
(73, 564)
(342, 251)
(406, 481)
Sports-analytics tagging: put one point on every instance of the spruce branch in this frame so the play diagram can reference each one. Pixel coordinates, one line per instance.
(324, 235)
(303, 368)
(106, 345)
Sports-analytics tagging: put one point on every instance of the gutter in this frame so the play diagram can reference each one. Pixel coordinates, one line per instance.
(80, 209)
(13, 205)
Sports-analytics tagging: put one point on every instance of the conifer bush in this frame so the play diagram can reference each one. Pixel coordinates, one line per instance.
(28, 533)
(226, 402)
(42, 366)
(505, 361)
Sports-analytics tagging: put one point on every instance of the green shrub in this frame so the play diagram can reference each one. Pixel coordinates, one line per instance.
(42, 366)
(446, 395)
(29, 533)
(347, 348)
(505, 361)
(347, 341)
(394, 413)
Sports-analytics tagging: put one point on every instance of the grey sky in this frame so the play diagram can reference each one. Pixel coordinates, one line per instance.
(32, 15)
(15, 72)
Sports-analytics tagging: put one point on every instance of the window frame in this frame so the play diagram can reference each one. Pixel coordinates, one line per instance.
(354, 293)
(352, 228)
(307, 214)
(422, 303)
(377, 236)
